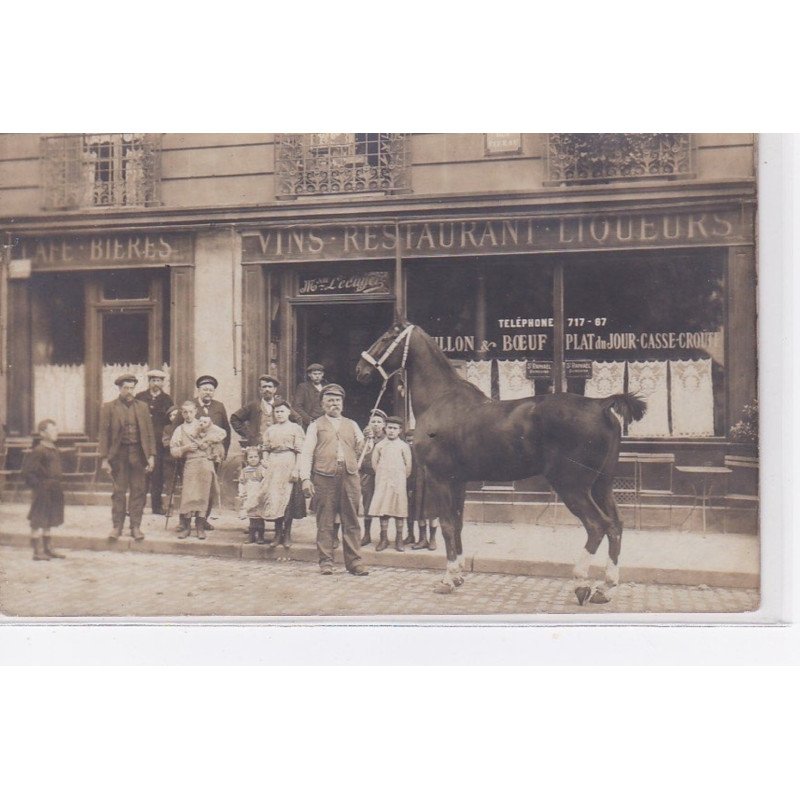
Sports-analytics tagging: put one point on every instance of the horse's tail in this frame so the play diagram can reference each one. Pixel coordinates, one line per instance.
(628, 405)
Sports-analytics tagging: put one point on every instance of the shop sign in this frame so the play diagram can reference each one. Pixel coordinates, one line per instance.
(530, 234)
(60, 252)
(539, 369)
(362, 283)
(579, 369)
(503, 143)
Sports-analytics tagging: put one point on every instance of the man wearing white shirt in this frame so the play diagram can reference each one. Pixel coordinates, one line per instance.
(329, 472)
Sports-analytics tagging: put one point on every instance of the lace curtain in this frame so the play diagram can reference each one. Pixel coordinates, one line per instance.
(608, 377)
(648, 379)
(692, 398)
(59, 393)
(514, 383)
(479, 373)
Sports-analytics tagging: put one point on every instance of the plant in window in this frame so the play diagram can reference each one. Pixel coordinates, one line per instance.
(746, 429)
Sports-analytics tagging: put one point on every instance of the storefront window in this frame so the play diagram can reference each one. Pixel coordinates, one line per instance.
(653, 326)
(493, 319)
(127, 284)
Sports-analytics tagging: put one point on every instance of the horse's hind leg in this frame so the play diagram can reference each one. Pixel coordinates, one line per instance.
(448, 521)
(460, 493)
(603, 494)
(596, 523)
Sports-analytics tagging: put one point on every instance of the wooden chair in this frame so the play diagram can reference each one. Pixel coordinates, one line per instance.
(87, 462)
(742, 485)
(656, 479)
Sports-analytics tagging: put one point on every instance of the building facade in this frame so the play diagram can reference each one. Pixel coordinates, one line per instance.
(540, 262)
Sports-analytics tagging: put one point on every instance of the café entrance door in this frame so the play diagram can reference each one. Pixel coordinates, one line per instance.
(335, 334)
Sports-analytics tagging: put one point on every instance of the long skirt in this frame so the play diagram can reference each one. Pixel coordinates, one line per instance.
(200, 486)
(276, 488)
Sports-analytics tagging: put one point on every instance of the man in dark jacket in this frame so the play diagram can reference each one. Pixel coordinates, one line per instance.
(308, 395)
(207, 406)
(127, 449)
(251, 421)
(158, 401)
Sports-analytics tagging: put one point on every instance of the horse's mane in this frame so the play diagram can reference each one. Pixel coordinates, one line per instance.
(459, 383)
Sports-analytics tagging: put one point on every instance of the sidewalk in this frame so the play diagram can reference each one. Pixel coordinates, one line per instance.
(651, 556)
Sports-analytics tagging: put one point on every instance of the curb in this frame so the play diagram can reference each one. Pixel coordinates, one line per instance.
(431, 560)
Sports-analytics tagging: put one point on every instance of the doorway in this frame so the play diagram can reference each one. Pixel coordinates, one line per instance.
(335, 335)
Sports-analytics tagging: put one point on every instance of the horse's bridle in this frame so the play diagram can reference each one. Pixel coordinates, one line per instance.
(378, 364)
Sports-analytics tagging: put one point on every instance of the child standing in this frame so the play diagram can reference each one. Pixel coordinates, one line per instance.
(373, 433)
(391, 460)
(250, 480)
(196, 446)
(42, 472)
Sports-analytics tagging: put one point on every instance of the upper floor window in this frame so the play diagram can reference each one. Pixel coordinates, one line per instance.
(339, 163)
(102, 170)
(602, 157)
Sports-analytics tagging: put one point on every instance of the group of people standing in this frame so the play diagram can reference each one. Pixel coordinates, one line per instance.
(291, 455)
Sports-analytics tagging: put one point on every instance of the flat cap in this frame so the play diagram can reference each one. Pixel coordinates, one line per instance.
(206, 379)
(157, 373)
(312, 367)
(269, 378)
(126, 378)
(377, 412)
(173, 408)
(394, 421)
(333, 388)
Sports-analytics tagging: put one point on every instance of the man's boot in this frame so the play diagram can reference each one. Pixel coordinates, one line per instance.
(184, 526)
(155, 505)
(260, 532)
(115, 535)
(398, 537)
(422, 544)
(252, 532)
(200, 527)
(48, 549)
(410, 536)
(366, 538)
(384, 542)
(39, 553)
(287, 531)
(432, 543)
(137, 534)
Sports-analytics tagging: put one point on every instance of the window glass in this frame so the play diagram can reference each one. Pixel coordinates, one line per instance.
(128, 284)
(492, 318)
(655, 327)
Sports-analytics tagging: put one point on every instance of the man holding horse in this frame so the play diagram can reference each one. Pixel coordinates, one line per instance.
(329, 472)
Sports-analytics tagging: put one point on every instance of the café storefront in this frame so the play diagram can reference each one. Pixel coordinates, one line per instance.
(83, 309)
(657, 300)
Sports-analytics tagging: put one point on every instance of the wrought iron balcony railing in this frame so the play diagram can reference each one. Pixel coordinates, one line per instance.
(340, 163)
(87, 170)
(575, 158)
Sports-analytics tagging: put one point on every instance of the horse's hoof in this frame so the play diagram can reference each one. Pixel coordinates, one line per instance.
(582, 593)
(599, 597)
(443, 588)
(458, 581)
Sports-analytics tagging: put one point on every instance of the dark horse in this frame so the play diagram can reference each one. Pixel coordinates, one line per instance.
(461, 435)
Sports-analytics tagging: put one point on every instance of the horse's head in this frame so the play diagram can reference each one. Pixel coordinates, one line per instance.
(385, 354)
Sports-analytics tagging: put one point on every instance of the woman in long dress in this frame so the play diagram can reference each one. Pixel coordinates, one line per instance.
(282, 443)
(198, 446)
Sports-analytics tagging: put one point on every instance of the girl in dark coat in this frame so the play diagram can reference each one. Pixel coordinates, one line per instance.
(42, 472)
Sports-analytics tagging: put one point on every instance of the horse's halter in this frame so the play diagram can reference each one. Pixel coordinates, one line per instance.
(378, 364)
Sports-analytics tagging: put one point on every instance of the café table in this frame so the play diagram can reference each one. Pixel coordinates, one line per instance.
(702, 483)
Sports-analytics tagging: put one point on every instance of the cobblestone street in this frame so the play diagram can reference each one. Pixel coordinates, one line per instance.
(90, 583)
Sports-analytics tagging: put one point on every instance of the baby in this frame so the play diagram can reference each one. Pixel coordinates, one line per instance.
(215, 450)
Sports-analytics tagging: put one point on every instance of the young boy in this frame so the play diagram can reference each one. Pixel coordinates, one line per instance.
(42, 472)
(391, 460)
(253, 473)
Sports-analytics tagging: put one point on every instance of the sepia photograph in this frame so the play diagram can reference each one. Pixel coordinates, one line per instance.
(379, 375)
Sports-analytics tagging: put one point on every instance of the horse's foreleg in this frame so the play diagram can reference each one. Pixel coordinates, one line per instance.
(603, 494)
(452, 576)
(459, 525)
